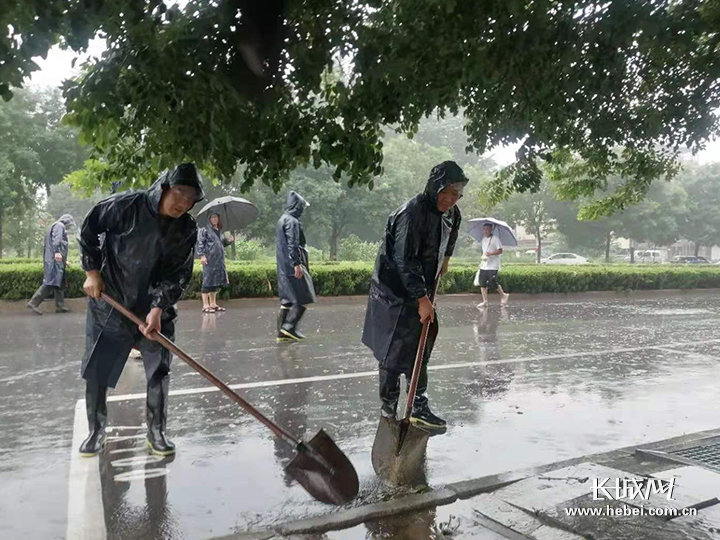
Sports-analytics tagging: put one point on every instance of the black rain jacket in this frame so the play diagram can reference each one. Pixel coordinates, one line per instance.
(290, 251)
(146, 261)
(417, 238)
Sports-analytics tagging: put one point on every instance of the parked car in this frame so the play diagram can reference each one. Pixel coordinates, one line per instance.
(564, 258)
(647, 256)
(689, 260)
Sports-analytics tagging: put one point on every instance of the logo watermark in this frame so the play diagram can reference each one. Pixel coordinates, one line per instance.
(614, 489)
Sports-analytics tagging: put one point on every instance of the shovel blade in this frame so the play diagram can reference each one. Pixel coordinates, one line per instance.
(324, 470)
(403, 467)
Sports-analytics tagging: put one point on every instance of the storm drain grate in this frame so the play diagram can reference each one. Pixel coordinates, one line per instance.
(708, 455)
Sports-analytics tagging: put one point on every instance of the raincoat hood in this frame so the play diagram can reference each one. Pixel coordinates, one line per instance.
(441, 176)
(209, 223)
(295, 204)
(185, 174)
(67, 220)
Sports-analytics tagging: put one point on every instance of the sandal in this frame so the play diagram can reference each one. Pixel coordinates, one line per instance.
(218, 308)
(208, 310)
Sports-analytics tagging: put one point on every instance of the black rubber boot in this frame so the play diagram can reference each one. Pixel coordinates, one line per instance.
(423, 416)
(96, 407)
(36, 300)
(280, 321)
(421, 413)
(157, 394)
(60, 301)
(389, 392)
(289, 327)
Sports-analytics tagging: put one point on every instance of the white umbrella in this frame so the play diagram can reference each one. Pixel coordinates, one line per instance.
(500, 228)
(235, 212)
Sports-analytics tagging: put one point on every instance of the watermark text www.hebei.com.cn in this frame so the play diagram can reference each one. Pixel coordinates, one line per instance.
(631, 489)
(626, 510)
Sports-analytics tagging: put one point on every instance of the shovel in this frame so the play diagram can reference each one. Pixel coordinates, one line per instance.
(319, 465)
(399, 447)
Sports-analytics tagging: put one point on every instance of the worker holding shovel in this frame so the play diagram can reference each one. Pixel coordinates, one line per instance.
(415, 251)
(146, 262)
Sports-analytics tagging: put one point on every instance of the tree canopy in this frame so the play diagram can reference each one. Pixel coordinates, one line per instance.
(36, 152)
(237, 83)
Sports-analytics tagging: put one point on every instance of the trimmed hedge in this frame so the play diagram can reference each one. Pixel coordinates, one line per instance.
(19, 281)
(18, 260)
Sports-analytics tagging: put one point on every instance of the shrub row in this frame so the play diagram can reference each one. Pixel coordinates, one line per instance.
(18, 260)
(19, 281)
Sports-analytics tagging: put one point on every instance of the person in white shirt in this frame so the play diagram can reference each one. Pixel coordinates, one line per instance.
(490, 266)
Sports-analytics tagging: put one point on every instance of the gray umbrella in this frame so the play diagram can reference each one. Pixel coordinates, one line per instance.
(500, 228)
(235, 212)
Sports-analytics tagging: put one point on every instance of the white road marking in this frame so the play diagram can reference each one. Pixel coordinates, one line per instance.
(137, 460)
(141, 474)
(134, 450)
(359, 374)
(86, 515)
(115, 439)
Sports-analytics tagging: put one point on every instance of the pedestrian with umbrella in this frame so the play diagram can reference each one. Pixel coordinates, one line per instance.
(54, 266)
(491, 241)
(295, 285)
(211, 248)
(231, 213)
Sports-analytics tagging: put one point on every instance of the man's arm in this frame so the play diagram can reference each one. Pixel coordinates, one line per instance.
(104, 216)
(405, 255)
(498, 247)
(201, 243)
(291, 229)
(175, 272)
(454, 231)
(202, 246)
(409, 267)
(457, 219)
(56, 238)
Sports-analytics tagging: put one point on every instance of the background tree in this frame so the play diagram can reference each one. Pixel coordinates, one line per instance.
(531, 211)
(655, 219)
(36, 151)
(337, 210)
(25, 229)
(64, 200)
(699, 218)
(585, 236)
(578, 76)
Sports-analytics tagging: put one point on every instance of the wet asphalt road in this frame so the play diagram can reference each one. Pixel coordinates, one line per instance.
(530, 384)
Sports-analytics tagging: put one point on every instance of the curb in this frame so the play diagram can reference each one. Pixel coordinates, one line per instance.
(355, 516)
(448, 494)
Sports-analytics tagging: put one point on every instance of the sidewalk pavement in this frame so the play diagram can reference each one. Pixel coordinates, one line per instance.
(547, 503)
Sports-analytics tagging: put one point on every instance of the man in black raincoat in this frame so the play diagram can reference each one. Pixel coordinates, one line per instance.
(415, 250)
(145, 263)
(54, 266)
(295, 286)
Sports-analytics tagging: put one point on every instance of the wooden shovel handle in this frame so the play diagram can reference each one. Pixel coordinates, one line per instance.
(419, 357)
(169, 345)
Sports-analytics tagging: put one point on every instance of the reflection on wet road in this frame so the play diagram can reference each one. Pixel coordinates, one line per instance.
(533, 383)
